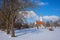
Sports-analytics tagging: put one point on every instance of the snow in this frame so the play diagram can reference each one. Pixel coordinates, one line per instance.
(32, 34)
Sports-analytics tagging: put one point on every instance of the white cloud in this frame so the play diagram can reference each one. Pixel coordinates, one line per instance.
(30, 14)
(42, 3)
(53, 18)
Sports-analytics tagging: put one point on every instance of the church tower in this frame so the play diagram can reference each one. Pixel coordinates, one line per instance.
(41, 18)
(41, 21)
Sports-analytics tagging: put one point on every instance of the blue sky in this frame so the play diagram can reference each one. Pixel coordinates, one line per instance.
(49, 7)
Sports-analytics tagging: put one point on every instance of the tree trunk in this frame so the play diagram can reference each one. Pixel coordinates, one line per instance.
(12, 25)
(7, 26)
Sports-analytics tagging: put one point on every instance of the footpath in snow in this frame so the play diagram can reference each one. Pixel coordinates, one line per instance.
(32, 34)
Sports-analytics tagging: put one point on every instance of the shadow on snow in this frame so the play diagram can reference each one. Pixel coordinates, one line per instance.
(26, 31)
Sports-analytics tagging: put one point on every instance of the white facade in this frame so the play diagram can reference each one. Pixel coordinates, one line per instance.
(41, 18)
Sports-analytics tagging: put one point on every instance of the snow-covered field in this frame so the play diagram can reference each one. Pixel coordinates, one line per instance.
(32, 34)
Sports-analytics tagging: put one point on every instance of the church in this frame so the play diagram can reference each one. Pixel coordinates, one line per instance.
(40, 23)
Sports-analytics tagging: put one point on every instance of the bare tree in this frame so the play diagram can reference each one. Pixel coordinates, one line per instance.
(10, 7)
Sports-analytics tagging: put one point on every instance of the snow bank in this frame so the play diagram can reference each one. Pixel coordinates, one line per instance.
(33, 34)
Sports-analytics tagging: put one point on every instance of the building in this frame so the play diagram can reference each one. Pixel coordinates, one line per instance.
(40, 22)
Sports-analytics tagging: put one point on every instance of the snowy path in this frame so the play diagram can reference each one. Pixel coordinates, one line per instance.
(33, 34)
